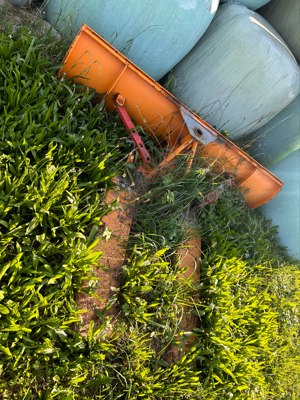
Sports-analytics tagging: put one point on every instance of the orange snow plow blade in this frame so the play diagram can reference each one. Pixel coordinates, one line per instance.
(93, 62)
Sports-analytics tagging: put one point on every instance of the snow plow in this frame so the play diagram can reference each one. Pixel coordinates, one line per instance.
(94, 63)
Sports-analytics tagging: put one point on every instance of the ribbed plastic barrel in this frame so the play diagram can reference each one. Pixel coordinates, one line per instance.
(284, 16)
(252, 4)
(154, 34)
(240, 74)
(284, 208)
(279, 137)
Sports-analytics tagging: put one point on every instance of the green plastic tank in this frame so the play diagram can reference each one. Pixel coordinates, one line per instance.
(240, 74)
(154, 34)
(252, 4)
(284, 16)
(284, 208)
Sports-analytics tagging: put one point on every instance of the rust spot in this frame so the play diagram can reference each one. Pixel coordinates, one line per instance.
(180, 137)
(198, 134)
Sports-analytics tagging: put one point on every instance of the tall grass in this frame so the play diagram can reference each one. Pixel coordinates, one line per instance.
(245, 331)
(58, 154)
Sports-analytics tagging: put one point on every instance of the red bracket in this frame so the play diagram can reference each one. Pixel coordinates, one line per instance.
(211, 197)
(119, 102)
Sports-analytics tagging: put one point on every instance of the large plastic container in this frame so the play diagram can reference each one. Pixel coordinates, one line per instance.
(284, 209)
(240, 74)
(279, 137)
(155, 35)
(252, 4)
(284, 16)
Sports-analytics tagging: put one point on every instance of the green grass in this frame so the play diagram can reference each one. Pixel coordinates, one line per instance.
(58, 154)
(248, 294)
(243, 327)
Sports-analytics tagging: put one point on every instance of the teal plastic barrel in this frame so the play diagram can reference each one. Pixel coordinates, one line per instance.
(279, 137)
(284, 16)
(252, 4)
(154, 34)
(284, 208)
(240, 74)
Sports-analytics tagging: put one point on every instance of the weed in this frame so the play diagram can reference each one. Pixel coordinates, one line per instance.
(165, 199)
(229, 220)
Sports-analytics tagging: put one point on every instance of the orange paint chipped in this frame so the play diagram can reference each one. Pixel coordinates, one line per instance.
(189, 256)
(190, 259)
(119, 222)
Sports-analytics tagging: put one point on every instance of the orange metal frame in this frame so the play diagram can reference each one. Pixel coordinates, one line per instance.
(93, 62)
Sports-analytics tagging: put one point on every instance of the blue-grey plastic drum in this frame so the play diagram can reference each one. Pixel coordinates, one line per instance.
(279, 137)
(252, 4)
(154, 34)
(284, 16)
(284, 208)
(240, 74)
